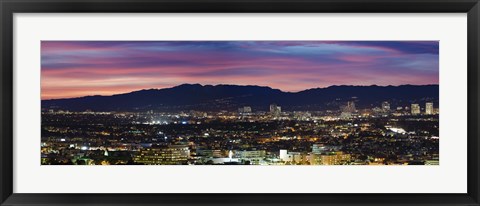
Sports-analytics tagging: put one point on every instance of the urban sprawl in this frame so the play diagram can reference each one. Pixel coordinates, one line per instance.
(381, 135)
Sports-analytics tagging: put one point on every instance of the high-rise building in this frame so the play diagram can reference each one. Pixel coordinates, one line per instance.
(385, 106)
(415, 109)
(429, 108)
(302, 115)
(245, 109)
(275, 109)
(349, 108)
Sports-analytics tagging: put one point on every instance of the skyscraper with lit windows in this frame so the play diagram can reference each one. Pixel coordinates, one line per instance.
(429, 108)
(385, 106)
(415, 109)
(275, 109)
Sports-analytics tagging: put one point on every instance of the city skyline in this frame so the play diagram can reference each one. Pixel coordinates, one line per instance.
(380, 135)
(254, 103)
(85, 68)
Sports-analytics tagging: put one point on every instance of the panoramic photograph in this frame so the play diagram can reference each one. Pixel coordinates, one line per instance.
(296, 103)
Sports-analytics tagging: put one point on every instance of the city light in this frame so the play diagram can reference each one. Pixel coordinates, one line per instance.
(240, 103)
(246, 136)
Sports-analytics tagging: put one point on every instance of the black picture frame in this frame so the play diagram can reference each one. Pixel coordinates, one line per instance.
(10, 7)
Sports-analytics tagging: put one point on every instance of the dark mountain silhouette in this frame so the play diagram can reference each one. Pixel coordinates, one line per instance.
(230, 97)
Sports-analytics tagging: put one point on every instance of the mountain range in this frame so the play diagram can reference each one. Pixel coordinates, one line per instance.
(230, 97)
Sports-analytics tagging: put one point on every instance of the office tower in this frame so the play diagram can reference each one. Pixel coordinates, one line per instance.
(385, 106)
(429, 108)
(349, 108)
(274, 109)
(415, 109)
(245, 109)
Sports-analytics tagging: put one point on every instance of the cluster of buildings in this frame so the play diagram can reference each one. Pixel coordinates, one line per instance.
(429, 110)
(349, 110)
(320, 155)
(245, 110)
(244, 137)
(180, 155)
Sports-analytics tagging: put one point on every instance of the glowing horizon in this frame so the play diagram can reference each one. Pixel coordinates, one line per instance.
(237, 85)
(86, 68)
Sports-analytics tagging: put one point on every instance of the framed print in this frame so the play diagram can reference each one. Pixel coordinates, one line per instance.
(239, 102)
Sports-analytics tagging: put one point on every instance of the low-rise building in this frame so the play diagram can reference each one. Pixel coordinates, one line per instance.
(163, 155)
(334, 158)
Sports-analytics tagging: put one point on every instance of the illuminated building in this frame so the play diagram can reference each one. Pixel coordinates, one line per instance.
(429, 108)
(302, 115)
(306, 136)
(349, 108)
(293, 157)
(335, 158)
(377, 161)
(284, 155)
(245, 109)
(275, 110)
(319, 148)
(415, 110)
(253, 156)
(222, 160)
(385, 106)
(210, 153)
(163, 155)
(432, 162)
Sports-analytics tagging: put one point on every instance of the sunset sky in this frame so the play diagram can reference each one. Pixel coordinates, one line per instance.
(81, 68)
